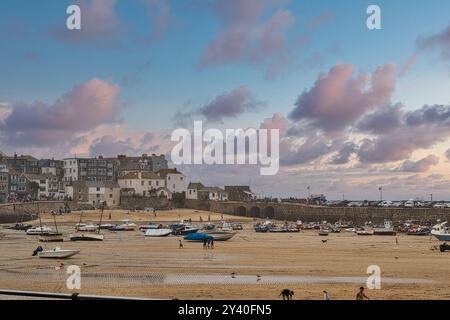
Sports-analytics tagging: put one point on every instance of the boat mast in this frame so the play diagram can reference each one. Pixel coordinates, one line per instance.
(101, 217)
(56, 225)
(39, 214)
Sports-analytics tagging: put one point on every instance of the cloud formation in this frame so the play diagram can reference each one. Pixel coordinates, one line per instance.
(83, 108)
(439, 42)
(247, 34)
(226, 105)
(338, 99)
(422, 165)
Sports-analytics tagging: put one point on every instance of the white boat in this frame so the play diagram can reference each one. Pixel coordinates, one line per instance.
(441, 232)
(38, 231)
(158, 232)
(87, 228)
(57, 253)
(86, 237)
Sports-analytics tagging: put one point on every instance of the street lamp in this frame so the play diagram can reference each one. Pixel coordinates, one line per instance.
(381, 192)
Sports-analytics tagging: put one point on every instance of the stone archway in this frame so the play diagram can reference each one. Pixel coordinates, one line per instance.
(255, 212)
(268, 212)
(241, 211)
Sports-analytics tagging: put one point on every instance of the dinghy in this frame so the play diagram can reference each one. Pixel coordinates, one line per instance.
(158, 232)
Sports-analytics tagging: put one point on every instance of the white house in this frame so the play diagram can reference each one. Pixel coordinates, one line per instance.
(197, 191)
(144, 183)
(175, 181)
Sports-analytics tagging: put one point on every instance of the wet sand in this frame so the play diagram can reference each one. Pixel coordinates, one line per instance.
(128, 264)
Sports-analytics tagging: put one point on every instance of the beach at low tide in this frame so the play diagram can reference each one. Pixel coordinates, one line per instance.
(128, 264)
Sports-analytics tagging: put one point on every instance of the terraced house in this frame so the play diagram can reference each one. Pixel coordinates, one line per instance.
(88, 169)
(4, 182)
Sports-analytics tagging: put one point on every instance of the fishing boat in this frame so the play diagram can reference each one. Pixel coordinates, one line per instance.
(221, 235)
(158, 232)
(56, 253)
(324, 232)
(441, 232)
(387, 230)
(198, 237)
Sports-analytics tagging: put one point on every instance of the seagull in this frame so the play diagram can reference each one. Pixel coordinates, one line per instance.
(233, 275)
(258, 277)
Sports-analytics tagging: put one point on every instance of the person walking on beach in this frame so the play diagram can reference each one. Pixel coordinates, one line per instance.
(212, 243)
(181, 245)
(361, 295)
(326, 296)
(204, 243)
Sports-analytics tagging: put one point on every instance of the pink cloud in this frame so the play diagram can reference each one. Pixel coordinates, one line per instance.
(246, 35)
(338, 98)
(83, 108)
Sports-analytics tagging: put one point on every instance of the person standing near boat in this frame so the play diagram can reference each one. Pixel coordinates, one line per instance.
(361, 295)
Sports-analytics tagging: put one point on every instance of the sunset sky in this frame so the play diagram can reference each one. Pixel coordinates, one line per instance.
(357, 108)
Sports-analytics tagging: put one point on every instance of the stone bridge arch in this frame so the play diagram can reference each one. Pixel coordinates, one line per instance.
(269, 212)
(255, 212)
(241, 211)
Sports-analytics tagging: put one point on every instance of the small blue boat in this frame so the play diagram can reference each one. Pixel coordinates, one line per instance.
(198, 237)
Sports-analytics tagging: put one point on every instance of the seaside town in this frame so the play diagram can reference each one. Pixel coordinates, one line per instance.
(224, 150)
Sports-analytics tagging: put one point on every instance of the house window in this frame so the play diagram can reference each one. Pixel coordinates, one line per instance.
(157, 183)
(142, 183)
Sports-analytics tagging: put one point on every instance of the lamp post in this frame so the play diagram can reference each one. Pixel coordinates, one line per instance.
(381, 192)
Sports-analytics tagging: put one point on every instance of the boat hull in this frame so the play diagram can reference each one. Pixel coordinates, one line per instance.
(221, 236)
(56, 237)
(60, 254)
(155, 233)
(442, 237)
(86, 237)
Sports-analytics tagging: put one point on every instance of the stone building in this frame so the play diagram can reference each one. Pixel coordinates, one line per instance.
(239, 193)
(96, 193)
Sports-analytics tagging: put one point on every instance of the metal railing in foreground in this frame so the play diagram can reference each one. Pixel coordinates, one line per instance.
(65, 296)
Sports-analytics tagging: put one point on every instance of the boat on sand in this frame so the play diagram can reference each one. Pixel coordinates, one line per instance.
(56, 253)
(158, 232)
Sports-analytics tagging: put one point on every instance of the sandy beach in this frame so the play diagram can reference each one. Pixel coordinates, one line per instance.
(128, 264)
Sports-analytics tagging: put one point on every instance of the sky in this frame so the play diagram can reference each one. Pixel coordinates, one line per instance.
(356, 108)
